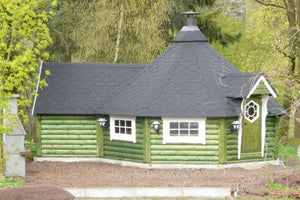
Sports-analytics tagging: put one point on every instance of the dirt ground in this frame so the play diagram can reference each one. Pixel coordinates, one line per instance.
(249, 182)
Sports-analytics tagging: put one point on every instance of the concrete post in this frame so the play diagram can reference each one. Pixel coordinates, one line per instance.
(14, 163)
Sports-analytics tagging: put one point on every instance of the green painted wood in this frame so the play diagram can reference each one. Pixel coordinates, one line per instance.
(69, 135)
(70, 147)
(38, 135)
(146, 141)
(187, 153)
(70, 142)
(222, 141)
(251, 138)
(100, 144)
(276, 133)
(183, 162)
(261, 89)
(68, 127)
(111, 146)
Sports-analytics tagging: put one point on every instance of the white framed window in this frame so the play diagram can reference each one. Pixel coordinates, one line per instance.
(251, 111)
(184, 130)
(122, 128)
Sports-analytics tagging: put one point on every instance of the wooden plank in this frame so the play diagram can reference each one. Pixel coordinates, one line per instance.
(124, 150)
(69, 137)
(121, 155)
(100, 142)
(72, 146)
(185, 158)
(38, 135)
(68, 152)
(68, 127)
(68, 132)
(122, 144)
(184, 147)
(68, 122)
(222, 141)
(70, 142)
(183, 153)
(146, 141)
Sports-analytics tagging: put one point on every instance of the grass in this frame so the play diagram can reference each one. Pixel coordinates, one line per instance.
(12, 182)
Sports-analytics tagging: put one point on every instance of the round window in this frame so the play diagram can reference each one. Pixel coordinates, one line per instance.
(251, 111)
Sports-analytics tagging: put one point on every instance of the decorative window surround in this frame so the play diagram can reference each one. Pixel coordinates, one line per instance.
(122, 128)
(251, 111)
(192, 130)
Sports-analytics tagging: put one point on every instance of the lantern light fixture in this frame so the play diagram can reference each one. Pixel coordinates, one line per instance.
(235, 125)
(102, 122)
(155, 125)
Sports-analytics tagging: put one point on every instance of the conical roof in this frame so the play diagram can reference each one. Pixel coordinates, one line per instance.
(184, 81)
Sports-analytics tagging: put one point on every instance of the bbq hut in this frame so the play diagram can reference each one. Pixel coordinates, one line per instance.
(189, 106)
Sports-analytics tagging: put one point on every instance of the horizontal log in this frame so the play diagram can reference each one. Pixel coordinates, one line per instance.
(120, 155)
(184, 147)
(68, 117)
(156, 137)
(183, 153)
(212, 121)
(125, 159)
(183, 162)
(69, 132)
(270, 129)
(232, 152)
(68, 127)
(211, 126)
(75, 147)
(69, 152)
(232, 142)
(68, 137)
(123, 145)
(185, 158)
(232, 147)
(212, 132)
(232, 137)
(138, 141)
(70, 142)
(270, 134)
(212, 137)
(123, 150)
(69, 156)
(212, 142)
(69, 122)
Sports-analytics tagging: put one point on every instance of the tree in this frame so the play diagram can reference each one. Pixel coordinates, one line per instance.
(24, 36)
(291, 50)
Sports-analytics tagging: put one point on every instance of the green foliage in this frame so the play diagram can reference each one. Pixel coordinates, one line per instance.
(275, 186)
(12, 182)
(30, 144)
(24, 36)
(287, 152)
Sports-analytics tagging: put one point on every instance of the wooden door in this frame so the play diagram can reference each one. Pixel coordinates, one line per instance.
(251, 124)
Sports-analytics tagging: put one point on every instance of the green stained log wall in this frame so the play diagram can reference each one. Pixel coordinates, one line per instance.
(67, 136)
(270, 150)
(186, 153)
(124, 150)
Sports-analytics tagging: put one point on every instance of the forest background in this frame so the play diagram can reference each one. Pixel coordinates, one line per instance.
(254, 35)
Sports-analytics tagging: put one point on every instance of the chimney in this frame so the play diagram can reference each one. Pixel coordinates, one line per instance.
(190, 20)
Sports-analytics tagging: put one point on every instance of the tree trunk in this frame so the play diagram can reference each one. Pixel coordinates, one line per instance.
(119, 33)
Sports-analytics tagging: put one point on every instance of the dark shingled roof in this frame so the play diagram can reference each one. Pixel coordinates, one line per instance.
(189, 79)
(78, 88)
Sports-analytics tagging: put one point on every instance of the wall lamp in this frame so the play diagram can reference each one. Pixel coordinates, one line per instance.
(235, 125)
(155, 125)
(102, 122)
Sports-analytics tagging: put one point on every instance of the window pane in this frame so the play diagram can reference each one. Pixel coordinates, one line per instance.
(128, 123)
(184, 132)
(128, 131)
(194, 125)
(117, 130)
(117, 123)
(122, 122)
(193, 132)
(122, 130)
(173, 125)
(184, 125)
(173, 132)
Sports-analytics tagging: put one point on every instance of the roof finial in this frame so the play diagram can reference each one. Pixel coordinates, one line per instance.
(190, 13)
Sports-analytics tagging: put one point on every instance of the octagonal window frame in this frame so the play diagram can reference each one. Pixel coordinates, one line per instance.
(246, 111)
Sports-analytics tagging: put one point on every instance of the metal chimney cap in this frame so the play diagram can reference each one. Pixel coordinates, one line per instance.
(188, 13)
